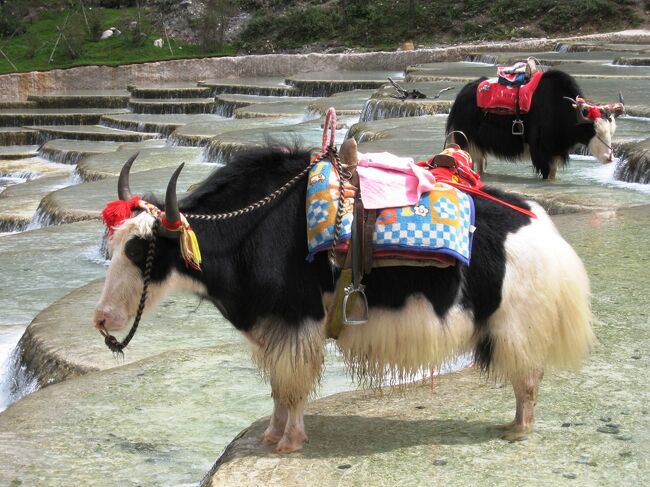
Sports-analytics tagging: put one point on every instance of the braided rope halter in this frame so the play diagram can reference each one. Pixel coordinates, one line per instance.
(116, 346)
(110, 341)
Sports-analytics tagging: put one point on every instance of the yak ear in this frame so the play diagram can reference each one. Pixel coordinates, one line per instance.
(123, 189)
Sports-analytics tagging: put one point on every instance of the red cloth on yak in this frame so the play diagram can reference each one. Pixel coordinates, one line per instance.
(493, 95)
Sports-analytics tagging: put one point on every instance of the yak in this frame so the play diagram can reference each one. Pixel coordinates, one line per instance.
(554, 125)
(520, 307)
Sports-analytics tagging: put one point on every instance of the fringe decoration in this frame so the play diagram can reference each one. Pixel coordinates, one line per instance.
(190, 250)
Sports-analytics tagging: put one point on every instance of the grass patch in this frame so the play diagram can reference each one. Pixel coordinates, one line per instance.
(31, 50)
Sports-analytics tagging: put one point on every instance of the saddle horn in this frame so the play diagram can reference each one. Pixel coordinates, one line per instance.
(123, 189)
(455, 143)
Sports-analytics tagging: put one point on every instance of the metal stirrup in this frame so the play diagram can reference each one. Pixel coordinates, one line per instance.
(350, 291)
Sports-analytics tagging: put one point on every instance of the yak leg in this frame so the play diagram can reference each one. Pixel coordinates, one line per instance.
(526, 390)
(555, 163)
(293, 364)
(275, 430)
(287, 427)
(478, 158)
(294, 432)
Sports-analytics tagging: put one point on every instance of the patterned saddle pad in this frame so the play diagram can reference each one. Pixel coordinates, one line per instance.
(442, 221)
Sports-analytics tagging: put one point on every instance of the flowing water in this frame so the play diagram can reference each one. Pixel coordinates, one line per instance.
(187, 385)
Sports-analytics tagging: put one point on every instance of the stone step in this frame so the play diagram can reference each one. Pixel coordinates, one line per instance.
(181, 90)
(86, 201)
(200, 134)
(285, 109)
(156, 123)
(327, 87)
(17, 136)
(223, 147)
(82, 99)
(90, 132)
(109, 164)
(226, 104)
(53, 116)
(172, 105)
(64, 151)
(251, 86)
(346, 103)
(19, 203)
(18, 151)
(16, 104)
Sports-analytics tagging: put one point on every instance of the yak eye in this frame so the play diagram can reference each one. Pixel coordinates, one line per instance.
(134, 250)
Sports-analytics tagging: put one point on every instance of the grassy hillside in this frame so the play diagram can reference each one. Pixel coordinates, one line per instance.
(31, 49)
(377, 24)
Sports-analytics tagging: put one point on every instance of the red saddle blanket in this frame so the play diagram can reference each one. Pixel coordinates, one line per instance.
(492, 95)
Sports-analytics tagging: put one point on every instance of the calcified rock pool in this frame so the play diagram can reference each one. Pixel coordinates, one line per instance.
(71, 414)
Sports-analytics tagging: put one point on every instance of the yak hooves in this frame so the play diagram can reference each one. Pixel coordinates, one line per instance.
(513, 431)
(291, 444)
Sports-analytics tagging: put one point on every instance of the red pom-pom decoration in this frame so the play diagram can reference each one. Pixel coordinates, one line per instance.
(593, 113)
(115, 212)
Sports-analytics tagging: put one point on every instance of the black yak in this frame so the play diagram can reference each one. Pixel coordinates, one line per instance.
(554, 124)
(520, 307)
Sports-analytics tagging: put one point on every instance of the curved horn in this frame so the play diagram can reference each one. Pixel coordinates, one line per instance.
(172, 214)
(578, 108)
(123, 190)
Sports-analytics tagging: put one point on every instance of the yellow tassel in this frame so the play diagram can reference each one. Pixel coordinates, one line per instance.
(190, 247)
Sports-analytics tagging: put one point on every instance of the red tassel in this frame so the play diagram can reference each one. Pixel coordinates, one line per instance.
(115, 212)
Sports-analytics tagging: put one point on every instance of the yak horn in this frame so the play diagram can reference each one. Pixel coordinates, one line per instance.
(578, 107)
(123, 189)
(172, 214)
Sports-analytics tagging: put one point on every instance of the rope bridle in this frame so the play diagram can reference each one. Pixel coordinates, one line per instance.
(110, 341)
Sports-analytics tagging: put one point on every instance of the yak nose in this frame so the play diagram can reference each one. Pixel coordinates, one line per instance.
(100, 318)
(105, 320)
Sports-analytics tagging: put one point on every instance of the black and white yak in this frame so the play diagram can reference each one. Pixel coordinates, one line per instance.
(552, 127)
(520, 308)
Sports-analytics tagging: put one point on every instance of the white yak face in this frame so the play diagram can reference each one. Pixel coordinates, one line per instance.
(128, 248)
(123, 286)
(600, 144)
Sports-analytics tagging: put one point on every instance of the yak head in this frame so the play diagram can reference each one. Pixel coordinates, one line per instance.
(603, 120)
(133, 226)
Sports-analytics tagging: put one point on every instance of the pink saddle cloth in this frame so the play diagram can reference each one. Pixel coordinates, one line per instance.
(492, 95)
(390, 181)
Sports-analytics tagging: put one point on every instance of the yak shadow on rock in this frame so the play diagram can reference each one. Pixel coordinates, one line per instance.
(340, 436)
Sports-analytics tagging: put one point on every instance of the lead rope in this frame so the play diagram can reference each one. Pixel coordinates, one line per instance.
(258, 204)
(110, 341)
(329, 148)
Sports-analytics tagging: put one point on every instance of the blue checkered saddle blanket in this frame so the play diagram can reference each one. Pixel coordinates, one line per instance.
(441, 223)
